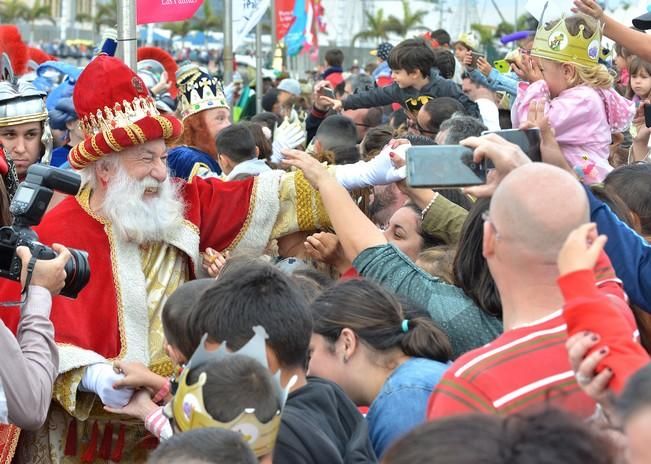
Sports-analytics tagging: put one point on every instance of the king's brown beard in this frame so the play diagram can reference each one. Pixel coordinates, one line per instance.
(195, 134)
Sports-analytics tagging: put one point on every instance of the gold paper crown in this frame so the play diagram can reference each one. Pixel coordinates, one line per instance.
(121, 115)
(557, 44)
(199, 91)
(189, 412)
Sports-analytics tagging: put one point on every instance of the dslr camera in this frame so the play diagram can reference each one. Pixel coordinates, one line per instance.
(28, 207)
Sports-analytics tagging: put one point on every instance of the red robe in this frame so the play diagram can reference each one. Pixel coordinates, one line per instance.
(219, 210)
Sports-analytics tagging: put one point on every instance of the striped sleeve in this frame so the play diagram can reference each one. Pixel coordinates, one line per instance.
(455, 395)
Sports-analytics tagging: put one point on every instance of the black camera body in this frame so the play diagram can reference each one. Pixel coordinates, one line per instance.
(28, 207)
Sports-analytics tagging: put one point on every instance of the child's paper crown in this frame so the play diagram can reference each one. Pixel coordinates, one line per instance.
(558, 44)
(189, 412)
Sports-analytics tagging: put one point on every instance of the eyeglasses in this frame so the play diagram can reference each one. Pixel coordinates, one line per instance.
(486, 217)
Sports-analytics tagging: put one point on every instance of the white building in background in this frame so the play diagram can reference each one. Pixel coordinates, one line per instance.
(345, 18)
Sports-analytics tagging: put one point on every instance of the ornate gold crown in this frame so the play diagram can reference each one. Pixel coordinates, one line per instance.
(557, 44)
(199, 91)
(189, 412)
(121, 115)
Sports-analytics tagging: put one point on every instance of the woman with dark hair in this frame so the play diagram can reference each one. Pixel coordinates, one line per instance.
(405, 231)
(374, 257)
(471, 271)
(550, 436)
(381, 353)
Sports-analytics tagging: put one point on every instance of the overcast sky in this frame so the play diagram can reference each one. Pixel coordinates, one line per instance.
(508, 8)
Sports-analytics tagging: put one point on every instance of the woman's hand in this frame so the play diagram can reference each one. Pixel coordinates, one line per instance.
(315, 173)
(581, 250)
(325, 247)
(584, 366)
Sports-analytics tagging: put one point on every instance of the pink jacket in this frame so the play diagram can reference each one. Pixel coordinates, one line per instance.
(583, 119)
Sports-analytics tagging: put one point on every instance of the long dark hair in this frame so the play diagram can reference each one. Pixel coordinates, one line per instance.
(471, 271)
(376, 316)
(429, 241)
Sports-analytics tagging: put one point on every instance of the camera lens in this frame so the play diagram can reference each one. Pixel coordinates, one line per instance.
(77, 273)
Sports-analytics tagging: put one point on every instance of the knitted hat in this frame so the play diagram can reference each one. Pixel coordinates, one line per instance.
(383, 50)
(117, 114)
(290, 86)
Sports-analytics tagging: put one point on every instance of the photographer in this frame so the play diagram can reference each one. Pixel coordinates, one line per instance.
(31, 359)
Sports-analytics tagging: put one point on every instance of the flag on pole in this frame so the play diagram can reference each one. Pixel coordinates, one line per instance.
(284, 17)
(246, 15)
(295, 38)
(163, 11)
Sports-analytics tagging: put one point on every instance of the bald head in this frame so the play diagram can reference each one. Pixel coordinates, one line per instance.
(536, 207)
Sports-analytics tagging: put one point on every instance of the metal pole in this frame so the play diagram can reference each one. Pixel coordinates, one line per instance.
(274, 26)
(228, 42)
(128, 49)
(258, 67)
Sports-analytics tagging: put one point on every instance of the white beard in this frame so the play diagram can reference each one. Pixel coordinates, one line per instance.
(138, 219)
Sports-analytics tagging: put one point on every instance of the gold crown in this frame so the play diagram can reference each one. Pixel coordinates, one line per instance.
(189, 412)
(557, 44)
(121, 115)
(200, 91)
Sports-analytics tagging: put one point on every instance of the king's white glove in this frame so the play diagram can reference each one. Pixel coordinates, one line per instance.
(99, 379)
(290, 134)
(378, 171)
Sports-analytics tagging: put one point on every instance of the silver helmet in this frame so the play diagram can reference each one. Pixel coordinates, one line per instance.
(21, 102)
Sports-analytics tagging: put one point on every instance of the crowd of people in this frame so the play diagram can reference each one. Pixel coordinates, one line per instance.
(268, 287)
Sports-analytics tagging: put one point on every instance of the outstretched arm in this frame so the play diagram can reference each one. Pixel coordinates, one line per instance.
(355, 231)
(637, 42)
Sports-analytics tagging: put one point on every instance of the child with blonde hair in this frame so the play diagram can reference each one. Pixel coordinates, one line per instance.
(580, 102)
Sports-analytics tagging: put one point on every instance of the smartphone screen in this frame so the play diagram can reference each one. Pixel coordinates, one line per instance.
(327, 92)
(647, 115)
(475, 57)
(528, 140)
(443, 166)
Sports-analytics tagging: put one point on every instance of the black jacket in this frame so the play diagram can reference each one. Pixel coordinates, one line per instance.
(437, 87)
(320, 424)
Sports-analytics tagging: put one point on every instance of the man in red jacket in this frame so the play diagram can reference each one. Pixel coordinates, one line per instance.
(526, 367)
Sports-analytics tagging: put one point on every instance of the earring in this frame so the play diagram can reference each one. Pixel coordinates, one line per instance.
(345, 359)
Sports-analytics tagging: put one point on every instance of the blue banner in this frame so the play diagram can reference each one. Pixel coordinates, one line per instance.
(295, 38)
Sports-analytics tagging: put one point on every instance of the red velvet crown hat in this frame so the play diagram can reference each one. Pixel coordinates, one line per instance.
(115, 112)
